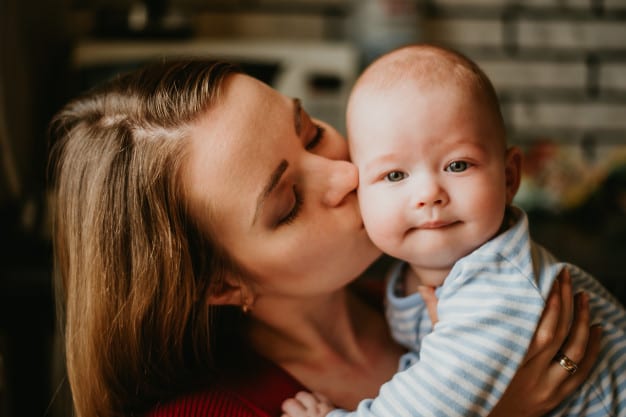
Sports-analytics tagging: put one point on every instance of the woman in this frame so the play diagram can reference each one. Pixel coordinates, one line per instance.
(206, 231)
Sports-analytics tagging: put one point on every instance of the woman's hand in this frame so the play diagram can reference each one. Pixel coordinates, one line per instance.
(541, 383)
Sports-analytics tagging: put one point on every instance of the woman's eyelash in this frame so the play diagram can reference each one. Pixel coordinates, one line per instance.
(293, 213)
(319, 135)
(295, 210)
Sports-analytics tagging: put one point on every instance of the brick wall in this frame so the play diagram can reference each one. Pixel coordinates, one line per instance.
(559, 65)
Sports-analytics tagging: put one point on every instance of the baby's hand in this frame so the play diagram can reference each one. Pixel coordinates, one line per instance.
(306, 404)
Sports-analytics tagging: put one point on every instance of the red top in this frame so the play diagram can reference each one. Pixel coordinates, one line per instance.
(256, 392)
(260, 393)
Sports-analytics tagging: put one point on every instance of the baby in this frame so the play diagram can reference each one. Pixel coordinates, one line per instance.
(436, 186)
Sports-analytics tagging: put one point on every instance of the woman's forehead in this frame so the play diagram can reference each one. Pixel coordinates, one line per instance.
(236, 144)
(247, 112)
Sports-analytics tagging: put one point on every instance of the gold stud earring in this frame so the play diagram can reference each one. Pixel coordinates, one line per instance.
(246, 302)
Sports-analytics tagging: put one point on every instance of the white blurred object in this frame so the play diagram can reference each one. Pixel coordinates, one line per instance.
(321, 74)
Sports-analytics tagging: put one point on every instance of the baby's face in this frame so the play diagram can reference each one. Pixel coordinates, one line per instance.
(432, 171)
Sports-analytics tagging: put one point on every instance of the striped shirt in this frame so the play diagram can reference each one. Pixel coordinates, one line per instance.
(489, 307)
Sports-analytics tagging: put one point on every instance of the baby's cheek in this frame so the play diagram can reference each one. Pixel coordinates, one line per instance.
(370, 206)
(382, 224)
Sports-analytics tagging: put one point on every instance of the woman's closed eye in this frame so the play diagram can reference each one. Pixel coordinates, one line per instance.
(317, 137)
(293, 212)
(291, 215)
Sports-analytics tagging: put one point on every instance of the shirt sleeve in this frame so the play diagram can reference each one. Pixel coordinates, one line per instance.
(407, 316)
(488, 311)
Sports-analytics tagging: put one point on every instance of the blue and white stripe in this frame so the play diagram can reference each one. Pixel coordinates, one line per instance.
(488, 310)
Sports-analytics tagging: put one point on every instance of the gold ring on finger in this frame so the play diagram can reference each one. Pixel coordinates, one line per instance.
(569, 365)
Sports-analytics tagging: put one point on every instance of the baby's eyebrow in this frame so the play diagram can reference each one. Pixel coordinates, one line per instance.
(380, 159)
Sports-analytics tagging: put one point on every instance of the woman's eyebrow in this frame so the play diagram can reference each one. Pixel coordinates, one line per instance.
(282, 166)
(269, 187)
(297, 115)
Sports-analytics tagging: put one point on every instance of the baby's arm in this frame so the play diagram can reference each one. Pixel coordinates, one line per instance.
(306, 404)
(466, 363)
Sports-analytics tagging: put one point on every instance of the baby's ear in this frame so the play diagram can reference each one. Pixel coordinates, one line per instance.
(513, 172)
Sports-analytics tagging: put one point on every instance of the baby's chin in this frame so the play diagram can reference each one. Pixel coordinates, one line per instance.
(431, 277)
(437, 259)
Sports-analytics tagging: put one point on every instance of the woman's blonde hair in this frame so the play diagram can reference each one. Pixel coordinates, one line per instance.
(133, 270)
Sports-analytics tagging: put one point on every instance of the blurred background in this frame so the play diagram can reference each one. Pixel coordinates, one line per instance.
(559, 67)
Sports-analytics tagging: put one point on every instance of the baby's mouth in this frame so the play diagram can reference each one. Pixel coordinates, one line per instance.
(436, 224)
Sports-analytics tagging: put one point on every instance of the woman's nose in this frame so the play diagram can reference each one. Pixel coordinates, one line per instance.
(343, 179)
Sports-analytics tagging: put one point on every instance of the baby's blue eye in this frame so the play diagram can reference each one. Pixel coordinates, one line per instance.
(395, 176)
(457, 166)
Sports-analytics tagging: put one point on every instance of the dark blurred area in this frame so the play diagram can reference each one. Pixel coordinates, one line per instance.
(51, 50)
(593, 234)
(34, 52)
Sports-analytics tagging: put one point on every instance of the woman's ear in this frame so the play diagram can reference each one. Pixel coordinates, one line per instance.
(228, 296)
(513, 172)
(229, 293)
(233, 292)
